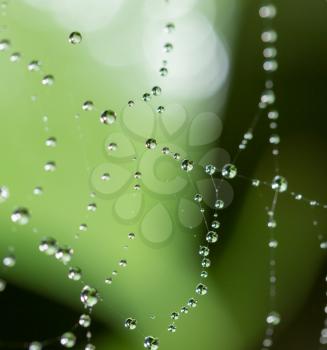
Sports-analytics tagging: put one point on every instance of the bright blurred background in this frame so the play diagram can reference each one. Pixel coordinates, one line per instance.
(211, 94)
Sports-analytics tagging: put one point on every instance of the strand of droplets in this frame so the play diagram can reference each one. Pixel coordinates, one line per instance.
(89, 295)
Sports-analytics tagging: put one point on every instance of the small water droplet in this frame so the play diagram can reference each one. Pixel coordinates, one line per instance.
(75, 38)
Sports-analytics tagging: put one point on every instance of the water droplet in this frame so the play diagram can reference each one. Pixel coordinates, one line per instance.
(34, 66)
(156, 91)
(48, 246)
(89, 296)
(168, 47)
(131, 235)
(35, 345)
(255, 182)
(172, 328)
(105, 177)
(85, 320)
(51, 142)
(274, 139)
(50, 167)
(163, 71)
(146, 97)
(151, 343)
(210, 169)
(212, 237)
(108, 117)
(89, 347)
(130, 323)
(267, 11)
(88, 106)
(131, 103)
(273, 318)
(215, 224)
(108, 280)
(4, 193)
(187, 165)
(75, 273)
(20, 216)
(48, 80)
(4, 45)
(219, 204)
(15, 57)
(174, 316)
(198, 198)
(160, 109)
(170, 27)
(151, 143)
(75, 38)
(64, 254)
(165, 150)
(204, 274)
(92, 207)
(273, 243)
(38, 191)
(9, 260)
(3, 285)
(192, 303)
(204, 251)
(201, 289)
(279, 183)
(68, 340)
(268, 97)
(205, 263)
(122, 263)
(269, 36)
(229, 171)
(112, 147)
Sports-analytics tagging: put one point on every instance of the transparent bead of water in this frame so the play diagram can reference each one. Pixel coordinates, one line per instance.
(210, 169)
(68, 340)
(9, 260)
(130, 323)
(75, 273)
(274, 139)
(279, 183)
(146, 97)
(64, 254)
(75, 38)
(156, 90)
(192, 303)
(105, 177)
(130, 103)
(273, 318)
(89, 296)
(37, 191)
(165, 150)
(255, 182)
(21, 216)
(273, 243)
(160, 109)
(170, 27)
(4, 193)
(212, 237)
(201, 289)
(92, 207)
(48, 246)
(89, 346)
(15, 57)
(168, 47)
(85, 321)
(229, 171)
(4, 45)
(112, 147)
(205, 263)
(187, 165)
(122, 263)
(108, 280)
(268, 97)
(174, 316)
(172, 328)
(323, 245)
(131, 235)
(163, 71)
(176, 156)
(270, 65)
(151, 143)
(204, 274)
(50, 167)
(88, 106)
(151, 343)
(51, 142)
(108, 117)
(198, 198)
(34, 66)
(269, 36)
(204, 251)
(215, 224)
(48, 80)
(268, 11)
(3, 285)
(248, 135)
(35, 345)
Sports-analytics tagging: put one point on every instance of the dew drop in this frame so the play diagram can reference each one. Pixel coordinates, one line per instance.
(20, 216)
(108, 117)
(112, 147)
(89, 296)
(212, 237)
(201, 289)
(273, 318)
(75, 273)
(170, 27)
(192, 303)
(34, 66)
(122, 263)
(4, 45)
(4, 193)
(160, 109)
(279, 183)
(75, 38)
(64, 254)
(219, 204)
(48, 246)
(9, 260)
(48, 80)
(198, 198)
(163, 71)
(204, 251)
(151, 343)
(165, 150)
(15, 57)
(88, 106)
(131, 235)
(105, 177)
(35, 345)
(187, 165)
(84, 321)
(267, 11)
(68, 340)
(151, 143)
(92, 207)
(50, 167)
(156, 91)
(172, 328)
(130, 323)
(146, 97)
(51, 142)
(168, 47)
(210, 169)
(229, 171)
